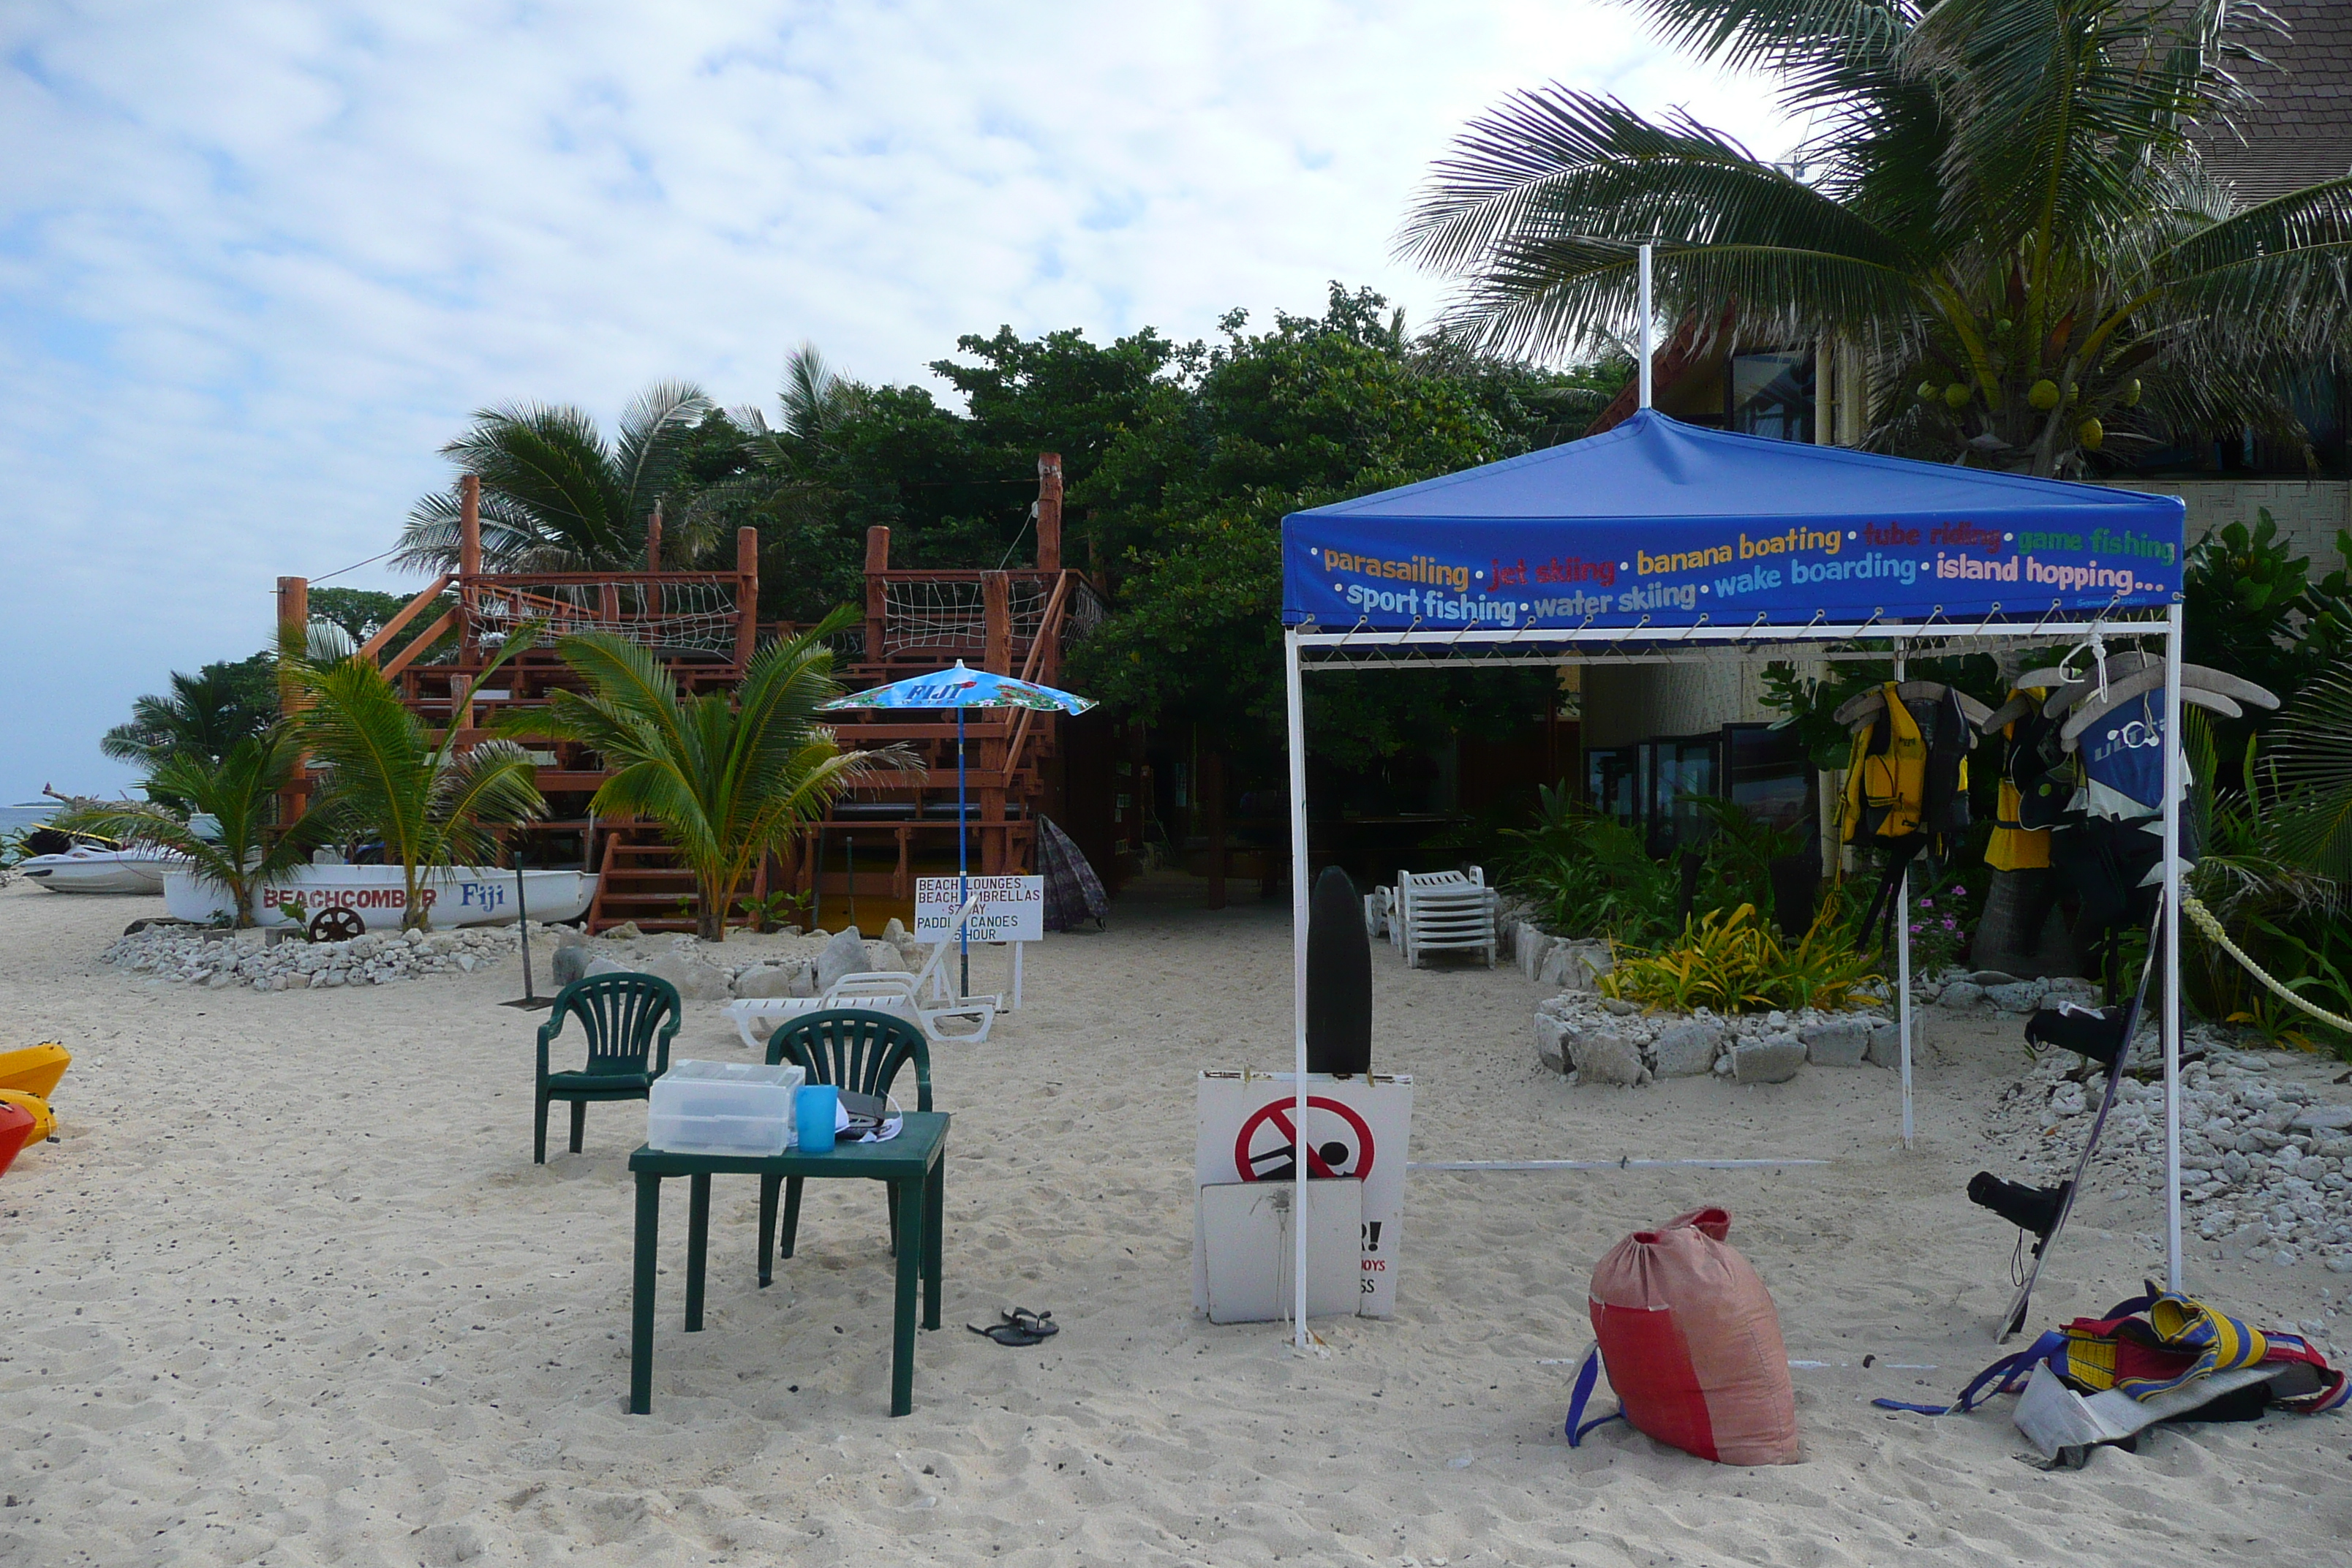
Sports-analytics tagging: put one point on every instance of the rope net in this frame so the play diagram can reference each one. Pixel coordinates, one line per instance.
(677, 612)
(947, 617)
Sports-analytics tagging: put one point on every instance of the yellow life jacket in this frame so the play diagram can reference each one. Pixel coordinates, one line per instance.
(2015, 846)
(1886, 777)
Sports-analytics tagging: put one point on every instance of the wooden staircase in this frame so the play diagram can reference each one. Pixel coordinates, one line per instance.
(1014, 622)
(640, 879)
(703, 623)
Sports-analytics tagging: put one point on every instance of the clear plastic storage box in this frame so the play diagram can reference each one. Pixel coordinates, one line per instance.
(723, 1108)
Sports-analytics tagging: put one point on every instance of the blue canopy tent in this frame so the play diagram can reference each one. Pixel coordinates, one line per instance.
(1660, 540)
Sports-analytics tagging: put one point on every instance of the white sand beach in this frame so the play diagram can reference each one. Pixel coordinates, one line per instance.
(288, 1289)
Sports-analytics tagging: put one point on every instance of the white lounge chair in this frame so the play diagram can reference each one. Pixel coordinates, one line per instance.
(1444, 912)
(881, 991)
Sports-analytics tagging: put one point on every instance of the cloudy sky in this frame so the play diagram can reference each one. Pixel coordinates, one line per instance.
(257, 259)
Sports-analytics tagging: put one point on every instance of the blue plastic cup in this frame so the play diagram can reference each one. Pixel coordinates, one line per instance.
(813, 1109)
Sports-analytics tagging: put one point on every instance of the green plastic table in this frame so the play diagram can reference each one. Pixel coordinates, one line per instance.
(915, 1165)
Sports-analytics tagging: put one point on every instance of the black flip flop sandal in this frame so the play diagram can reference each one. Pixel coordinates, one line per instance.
(1020, 1327)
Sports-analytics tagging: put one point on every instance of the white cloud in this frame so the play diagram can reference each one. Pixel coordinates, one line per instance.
(258, 260)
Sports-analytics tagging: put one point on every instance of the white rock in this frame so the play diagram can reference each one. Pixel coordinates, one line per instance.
(844, 954)
(1774, 1059)
(1686, 1049)
(1550, 1051)
(1605, 1056)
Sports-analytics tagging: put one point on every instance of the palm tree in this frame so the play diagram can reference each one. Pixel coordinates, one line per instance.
(555, 495)
(2000, 206)
(787, 476)
(388, 778)
(730, 777)
(240, 792)
(205, 715)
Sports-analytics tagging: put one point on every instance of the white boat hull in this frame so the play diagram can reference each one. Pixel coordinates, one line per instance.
(85, 870)
(454, 895)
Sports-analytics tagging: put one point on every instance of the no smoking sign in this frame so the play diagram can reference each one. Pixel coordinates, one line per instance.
(1338, 1143)
(1357, 1128)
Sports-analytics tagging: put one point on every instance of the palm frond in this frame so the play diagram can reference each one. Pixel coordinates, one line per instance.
(493, 785)
(1550, 197)
(2315, 762)
(651, 441)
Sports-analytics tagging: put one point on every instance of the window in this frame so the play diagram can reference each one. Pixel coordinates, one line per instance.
(1769, 775)
(1771, 394)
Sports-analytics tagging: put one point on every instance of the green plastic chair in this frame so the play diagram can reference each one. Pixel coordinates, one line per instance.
(852, 1048)
(628, 1018)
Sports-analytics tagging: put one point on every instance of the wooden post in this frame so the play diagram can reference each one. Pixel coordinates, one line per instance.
(877, 606)
(469, 526)
(747, 594)
(293, 635)
(1049, 511)
(1212, 787)
(653, 540)
(996, 611)
(469, 562)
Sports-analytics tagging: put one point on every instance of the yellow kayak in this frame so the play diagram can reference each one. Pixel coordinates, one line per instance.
(45, 1120)
(36, 1069)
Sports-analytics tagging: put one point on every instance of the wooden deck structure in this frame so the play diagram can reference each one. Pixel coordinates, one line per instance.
(704, 626)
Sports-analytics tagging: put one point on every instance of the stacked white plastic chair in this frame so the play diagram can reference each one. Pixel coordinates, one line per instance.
(1444, 911)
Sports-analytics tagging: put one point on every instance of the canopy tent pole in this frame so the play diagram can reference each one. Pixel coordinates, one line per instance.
(1643, 307)
(963, 869)
(1903, 959)
(2175, 790)
(1294, 701)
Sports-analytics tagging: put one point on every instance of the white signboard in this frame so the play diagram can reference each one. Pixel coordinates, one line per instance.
(1356, 1126)
(1011, 909)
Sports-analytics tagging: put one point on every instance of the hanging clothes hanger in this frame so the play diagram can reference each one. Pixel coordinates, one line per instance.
(1865, 708)
(2200, 688)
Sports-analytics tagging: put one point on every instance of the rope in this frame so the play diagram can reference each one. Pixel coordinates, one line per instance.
(2202, 917)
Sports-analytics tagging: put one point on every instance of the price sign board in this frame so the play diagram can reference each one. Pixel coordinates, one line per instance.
(1011, 909)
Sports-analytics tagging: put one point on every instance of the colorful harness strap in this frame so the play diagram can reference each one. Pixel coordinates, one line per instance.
(2181, 1340)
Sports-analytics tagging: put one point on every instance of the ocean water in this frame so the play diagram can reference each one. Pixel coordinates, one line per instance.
(29, 814)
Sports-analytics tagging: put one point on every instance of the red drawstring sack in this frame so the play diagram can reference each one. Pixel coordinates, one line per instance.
(1693, 1345)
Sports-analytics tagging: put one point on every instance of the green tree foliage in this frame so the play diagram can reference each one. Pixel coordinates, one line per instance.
(1187, 505)
(729, 776)
(239, 791)
(387, 778)
(2247, 594)
(1999, 202)
(202, 716)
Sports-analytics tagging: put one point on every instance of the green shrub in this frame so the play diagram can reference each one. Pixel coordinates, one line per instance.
(1735, 962)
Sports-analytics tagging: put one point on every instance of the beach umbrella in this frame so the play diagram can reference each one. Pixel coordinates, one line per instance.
(960, 689)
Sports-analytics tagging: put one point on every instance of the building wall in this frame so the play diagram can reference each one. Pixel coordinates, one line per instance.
(2309, 512)
(1624, 704)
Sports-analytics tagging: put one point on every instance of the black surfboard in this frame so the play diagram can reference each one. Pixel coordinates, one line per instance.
(1339, 977)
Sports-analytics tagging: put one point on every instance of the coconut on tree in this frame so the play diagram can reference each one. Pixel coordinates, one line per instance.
(2000, 205)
